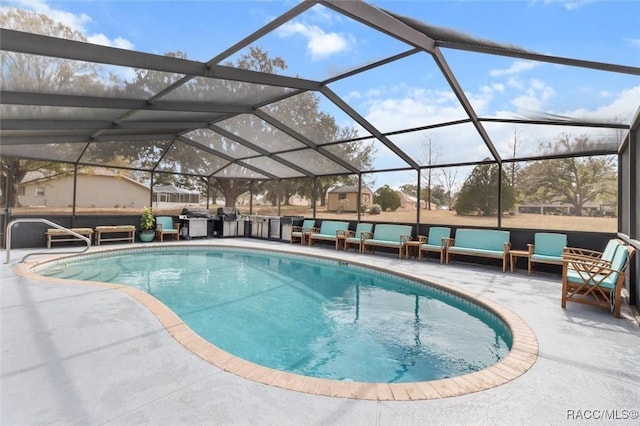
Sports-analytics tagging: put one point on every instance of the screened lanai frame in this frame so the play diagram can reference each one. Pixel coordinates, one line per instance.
(221, 125)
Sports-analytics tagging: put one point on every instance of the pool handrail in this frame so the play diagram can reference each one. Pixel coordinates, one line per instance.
(48, 222)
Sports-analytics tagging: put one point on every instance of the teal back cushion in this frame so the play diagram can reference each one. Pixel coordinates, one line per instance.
(363, 227)
(165, 221)
(308, 223)
(437, 233)
(619, 261)
(482, 239)
(610, 250)
(330, 227)
(549, 244)
(390, 232)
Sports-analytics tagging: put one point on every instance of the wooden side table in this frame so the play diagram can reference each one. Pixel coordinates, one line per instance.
(410, 245)
(514, 255)
(341, 240)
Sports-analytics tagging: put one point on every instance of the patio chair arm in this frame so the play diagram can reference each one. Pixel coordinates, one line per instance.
(581, 252)
(366, 235)
(585, 255)
(583, 262)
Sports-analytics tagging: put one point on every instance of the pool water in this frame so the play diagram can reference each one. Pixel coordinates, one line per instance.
(309, 316)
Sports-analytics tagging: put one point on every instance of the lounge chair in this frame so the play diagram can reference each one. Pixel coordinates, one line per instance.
(546, 248)
(387, 235)
(595, 281)
(165, 226)
(301, 232)
(330, 230)
(585, 254)
(355, 237)
(435, 241)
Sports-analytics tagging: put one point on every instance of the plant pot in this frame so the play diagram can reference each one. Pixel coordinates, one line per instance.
(146, 235)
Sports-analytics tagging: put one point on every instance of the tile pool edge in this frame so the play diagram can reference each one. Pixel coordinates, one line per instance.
(521, 357)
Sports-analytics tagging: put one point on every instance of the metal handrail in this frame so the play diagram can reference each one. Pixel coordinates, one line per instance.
(48, 222)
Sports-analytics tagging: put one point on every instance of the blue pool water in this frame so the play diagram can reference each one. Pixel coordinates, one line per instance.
(309, 316)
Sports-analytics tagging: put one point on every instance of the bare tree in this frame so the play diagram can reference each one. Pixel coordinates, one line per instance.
(447, 179)
(514, 167)
(431, 156)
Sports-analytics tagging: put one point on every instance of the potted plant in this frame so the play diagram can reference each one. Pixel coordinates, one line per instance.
(147, 225)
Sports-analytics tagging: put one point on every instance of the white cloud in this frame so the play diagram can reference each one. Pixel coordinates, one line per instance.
(621, 106)
(516, 68)
(105, 41)
(77, 22)
(534, 97)
(635, 42)
(568, 4)
(320, 44)
(413, 107)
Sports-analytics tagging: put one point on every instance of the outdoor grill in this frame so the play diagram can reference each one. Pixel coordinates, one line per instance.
(195, 222)
(226, 222)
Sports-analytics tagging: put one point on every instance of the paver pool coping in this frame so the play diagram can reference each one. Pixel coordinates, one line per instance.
(521, 357)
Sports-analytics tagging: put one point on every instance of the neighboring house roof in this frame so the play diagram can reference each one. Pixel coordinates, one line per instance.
(406, 197)
(172, 189)
(35, 176)
(588, 204)
(348, 189)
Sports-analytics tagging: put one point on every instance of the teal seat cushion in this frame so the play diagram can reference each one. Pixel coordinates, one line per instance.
(431, 247)
(546, 259)
(386, 243)
(575, 277)
(477, 251)
(353, 240)
(326, 237)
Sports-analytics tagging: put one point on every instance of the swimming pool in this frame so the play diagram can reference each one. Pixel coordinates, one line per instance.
(314, 317)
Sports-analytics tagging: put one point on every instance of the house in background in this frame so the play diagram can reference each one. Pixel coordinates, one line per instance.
(96, 188)
(560, 208)
(167, 196)
(345, 198)
(409, 202)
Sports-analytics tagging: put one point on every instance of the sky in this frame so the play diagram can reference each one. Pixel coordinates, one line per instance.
(321, 43)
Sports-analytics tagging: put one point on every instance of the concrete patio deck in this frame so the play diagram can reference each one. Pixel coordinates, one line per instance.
(75, 354)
